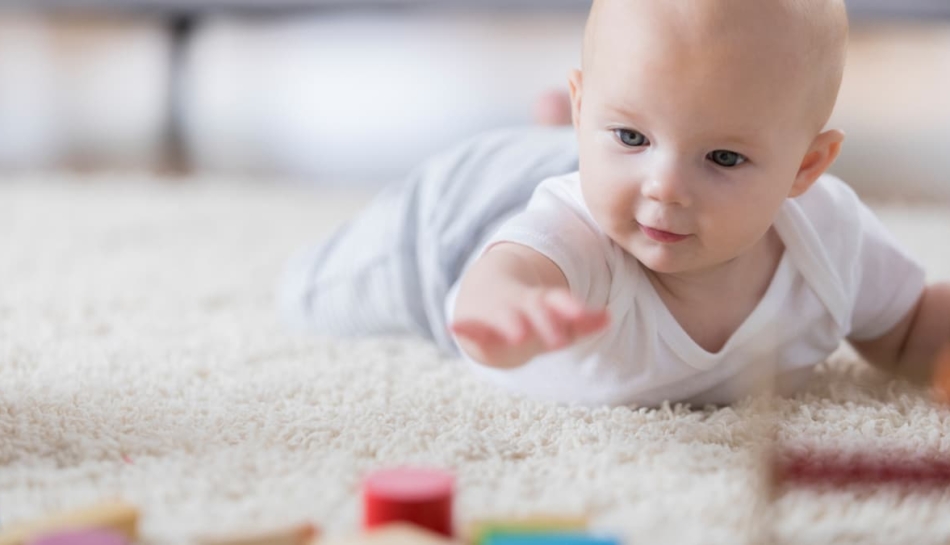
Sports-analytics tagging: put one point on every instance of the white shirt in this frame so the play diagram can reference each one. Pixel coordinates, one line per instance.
(842, 275)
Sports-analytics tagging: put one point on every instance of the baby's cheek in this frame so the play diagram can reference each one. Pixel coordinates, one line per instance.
(620, 218)
(622, 199)
(737, 234)
(611, 199)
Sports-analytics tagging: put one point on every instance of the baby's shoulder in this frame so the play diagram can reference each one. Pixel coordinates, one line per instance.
(563, 228)
(830, 224)
(563, 195)
(829, 193)
(832, 208)
(566, 189)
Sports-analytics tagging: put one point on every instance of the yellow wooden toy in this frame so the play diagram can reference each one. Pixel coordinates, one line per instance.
(300, 534)
(394, 534)
(117, 516)
(476, 531)
(941, 375)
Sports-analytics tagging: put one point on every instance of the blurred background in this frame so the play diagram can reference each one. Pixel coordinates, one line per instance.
(357, 92)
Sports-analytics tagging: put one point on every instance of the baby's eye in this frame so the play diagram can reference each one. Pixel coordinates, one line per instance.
(725, 158)
(631, 138)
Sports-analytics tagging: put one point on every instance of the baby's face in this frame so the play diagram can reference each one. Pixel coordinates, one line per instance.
(687, 150)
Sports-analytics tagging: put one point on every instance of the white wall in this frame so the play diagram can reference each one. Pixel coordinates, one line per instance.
(894, 107)
(82, 91)
(366, 97)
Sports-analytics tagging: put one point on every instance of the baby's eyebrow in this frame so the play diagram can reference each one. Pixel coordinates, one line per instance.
(622, 111)
(748, 140)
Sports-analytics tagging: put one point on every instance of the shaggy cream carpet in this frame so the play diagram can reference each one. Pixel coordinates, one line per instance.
(140, 357)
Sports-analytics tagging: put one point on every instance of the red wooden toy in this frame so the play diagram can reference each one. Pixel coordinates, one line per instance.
(418, 496)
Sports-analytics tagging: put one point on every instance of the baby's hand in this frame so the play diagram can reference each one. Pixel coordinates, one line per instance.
(508, 333)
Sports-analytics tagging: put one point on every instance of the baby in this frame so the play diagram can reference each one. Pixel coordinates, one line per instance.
(687, 246)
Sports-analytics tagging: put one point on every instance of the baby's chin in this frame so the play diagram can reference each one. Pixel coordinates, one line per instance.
(663, 258)
(665, 266)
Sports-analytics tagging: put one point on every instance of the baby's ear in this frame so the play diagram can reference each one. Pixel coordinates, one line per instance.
(575, 81)
(823, 151)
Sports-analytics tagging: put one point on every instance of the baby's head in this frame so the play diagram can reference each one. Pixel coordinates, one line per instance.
(700, 117)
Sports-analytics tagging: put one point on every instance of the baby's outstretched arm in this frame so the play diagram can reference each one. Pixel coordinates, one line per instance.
(910, 349)
(515, 304)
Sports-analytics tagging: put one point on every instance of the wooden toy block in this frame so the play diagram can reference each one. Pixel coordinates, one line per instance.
(941, 375)
(550, 539)
(116, 516)
(477, 531)
(82, 537)
(300, 534)
(834, 469)
(422, 497)
(394, 534)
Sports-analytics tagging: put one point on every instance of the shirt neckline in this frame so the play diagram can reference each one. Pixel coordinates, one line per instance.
(689, 350)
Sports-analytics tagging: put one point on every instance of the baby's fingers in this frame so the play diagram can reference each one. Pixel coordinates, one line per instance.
(489, 345)
(580, 319)
(478, 333)
(590, 322)
(566, 304)
(509, 329)
(548, 324)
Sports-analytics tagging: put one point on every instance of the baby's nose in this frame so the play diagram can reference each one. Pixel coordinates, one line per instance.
(668, 188)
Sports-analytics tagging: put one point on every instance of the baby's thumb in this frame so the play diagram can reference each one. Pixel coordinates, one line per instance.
(591, 322)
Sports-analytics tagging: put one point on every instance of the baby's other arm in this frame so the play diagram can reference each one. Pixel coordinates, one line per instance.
(911, 347)
(514, 304)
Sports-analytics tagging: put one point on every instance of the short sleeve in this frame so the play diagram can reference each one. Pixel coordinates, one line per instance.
(556, 224)
(888, 280)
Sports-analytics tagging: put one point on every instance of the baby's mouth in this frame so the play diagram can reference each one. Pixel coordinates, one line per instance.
(660, 235)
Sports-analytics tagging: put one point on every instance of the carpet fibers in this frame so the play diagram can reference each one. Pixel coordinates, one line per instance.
(140, 357)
